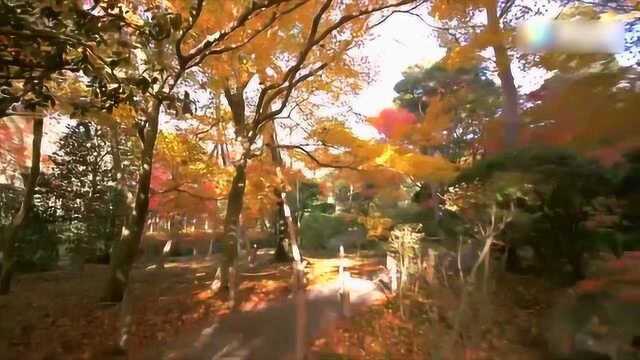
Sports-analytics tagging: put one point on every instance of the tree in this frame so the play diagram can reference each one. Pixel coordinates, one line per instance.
(467, 37)
(380, 172)
(473, 99)
(19, 221)
(83, 184)
(36, 249)
(185, 182)
(173, 49)
(305, 45)
(42, 41)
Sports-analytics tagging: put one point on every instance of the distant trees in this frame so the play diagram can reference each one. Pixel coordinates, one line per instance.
(44, 46)
(36, 249)
(83, 187)
(473, 99)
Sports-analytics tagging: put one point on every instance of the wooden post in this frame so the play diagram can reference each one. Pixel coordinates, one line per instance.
(343, 294)
(165, 253)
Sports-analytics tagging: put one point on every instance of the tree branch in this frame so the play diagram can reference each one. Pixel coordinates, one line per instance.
(316, 160)
(505, 9)
(249, 13)
(267, 25)
(194, 17)
(287, 90)
(178, 189)
(295, 68)
(314, 38)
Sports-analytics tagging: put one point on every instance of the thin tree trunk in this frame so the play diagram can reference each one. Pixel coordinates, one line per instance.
(126, 248)
(281, 254)
(232, 220)
(510, 106)
(285, 216)
(19, 222)
(235, 99)
(120, 212)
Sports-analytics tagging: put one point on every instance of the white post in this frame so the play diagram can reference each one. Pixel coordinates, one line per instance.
(343, 294)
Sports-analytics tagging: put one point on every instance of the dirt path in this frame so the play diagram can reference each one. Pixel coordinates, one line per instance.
(274, 331)
(58, 315)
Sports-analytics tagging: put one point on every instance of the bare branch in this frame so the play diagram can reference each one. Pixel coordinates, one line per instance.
(408, 12)
(288, 116)
(287, 94)
(179, 189)
(293, 70)
(202, 132)
(312, 157)
(194, 18)
(314, 38)
(249, 13)
(505, 9)
(263, 28)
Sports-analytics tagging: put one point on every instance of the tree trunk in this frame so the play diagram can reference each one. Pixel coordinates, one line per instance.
(126, 248)
(120, 213)
(281, 254)
(19, 222)
(284, 216)
(510, 113)
(235, 99)
(232, 220)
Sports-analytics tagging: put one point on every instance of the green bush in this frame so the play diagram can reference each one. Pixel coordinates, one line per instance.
(37, 249)
(318, 229)
(556, 187)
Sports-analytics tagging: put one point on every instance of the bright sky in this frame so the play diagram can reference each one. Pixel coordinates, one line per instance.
(400, 42)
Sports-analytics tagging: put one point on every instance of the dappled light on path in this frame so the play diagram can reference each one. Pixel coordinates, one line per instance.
(265, 327)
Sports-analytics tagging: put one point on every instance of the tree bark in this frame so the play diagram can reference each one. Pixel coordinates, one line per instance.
(126, 248)
(232, 220)
(510, 113)
(122, 190)
(235, 201)
(286, 227)
(19, 222)
(282, 230)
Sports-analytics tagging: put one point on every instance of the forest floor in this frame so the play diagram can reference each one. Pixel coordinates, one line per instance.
(57, 315)
(419, 326)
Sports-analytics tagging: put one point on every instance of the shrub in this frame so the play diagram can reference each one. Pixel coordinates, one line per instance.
(318, 229)
(37, 249)
(555, 189)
